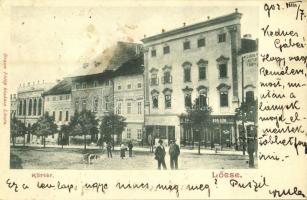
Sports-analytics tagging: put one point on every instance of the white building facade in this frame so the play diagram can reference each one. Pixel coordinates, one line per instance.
(199, 60)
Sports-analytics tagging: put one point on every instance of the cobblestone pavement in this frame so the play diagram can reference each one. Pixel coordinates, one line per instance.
(72, 158)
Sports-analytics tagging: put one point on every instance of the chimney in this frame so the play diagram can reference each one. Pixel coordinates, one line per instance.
(58, 80)
(184, 24)
(144, 36)
(236, 10)
(247, 36)
(163, 30)
(208, 17)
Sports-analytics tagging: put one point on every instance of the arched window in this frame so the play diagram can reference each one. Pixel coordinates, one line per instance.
(186, 71)
(187, 97)
(167, 98)
(222, 66)
(24, 112)
(34, 106)
(20, 108)
(40, 107)
(202, 69)
(203, 97)
(223, 89)
(155, 99)
(30, 107)
(249, 97)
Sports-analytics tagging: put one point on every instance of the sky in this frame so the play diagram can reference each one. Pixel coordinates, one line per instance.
(49, 43)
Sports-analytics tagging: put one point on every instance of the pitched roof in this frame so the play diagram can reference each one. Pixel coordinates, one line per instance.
(133, 66)
(110, 58)
(63, 87)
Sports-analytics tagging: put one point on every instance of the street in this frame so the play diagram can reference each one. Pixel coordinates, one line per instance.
(72, 158)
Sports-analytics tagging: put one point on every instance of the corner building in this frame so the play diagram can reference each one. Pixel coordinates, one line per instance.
(198, 60)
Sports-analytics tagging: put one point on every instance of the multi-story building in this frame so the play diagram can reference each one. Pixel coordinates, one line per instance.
(129, 98)
(198, 60)
(248, 90)
(30, 104)
(57, 103)
(13, 109)
(94, 90)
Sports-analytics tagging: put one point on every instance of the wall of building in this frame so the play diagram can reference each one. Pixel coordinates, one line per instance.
(130, 90)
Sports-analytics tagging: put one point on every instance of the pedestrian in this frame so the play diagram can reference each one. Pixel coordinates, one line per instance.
(130, 146)
(174, 152)
(123, 149)
(160, 155)
(109, 149)
(250, 151)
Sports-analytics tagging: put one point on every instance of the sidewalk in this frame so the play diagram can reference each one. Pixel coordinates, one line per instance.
(142, 149)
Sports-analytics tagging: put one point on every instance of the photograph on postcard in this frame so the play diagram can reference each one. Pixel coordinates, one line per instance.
(153, 88)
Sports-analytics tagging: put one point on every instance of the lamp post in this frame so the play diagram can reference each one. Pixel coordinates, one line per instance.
(242, 85)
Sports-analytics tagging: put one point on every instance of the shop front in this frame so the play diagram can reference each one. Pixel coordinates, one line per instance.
(221, 132)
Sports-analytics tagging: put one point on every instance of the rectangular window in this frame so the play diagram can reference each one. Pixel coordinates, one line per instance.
(53, 98)
(77, 86)
(119, 108)
(154, 80)
(119, 87)
(83, 85)
(53, 115)
(129, 108)
(67, 116)
(167, 77)
(153, 53)
(139, 108)
(76, 104)
(95, 84)
(187, 74)
(224, 99)
(201, 42)
(249, 97)
(60, 116)
(128, 133)
(106, 102)
(139, 85)
(166, 50)
(61, 97)
(67, 97)
(202, 72)
(139, 134)
(223, 70)
(222, 37)
(95, 104)
(188, 101)
(83, 104)
(129, 86)
(186, 45)
(107, 82)
(168, 101)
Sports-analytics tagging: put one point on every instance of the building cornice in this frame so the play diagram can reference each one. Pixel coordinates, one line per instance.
(185, 29)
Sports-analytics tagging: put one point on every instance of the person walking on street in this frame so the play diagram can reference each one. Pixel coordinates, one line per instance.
(123, 149)
(130, 146)
(109, 150)
(174, 152)
(160, 155)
